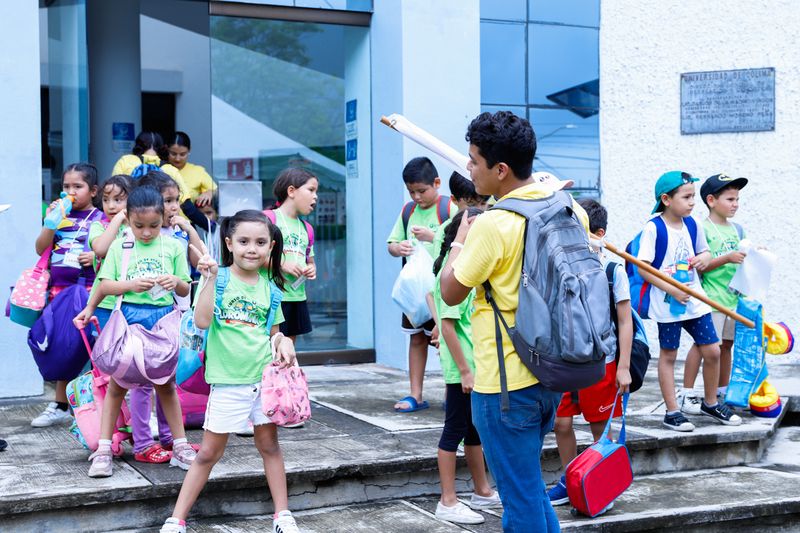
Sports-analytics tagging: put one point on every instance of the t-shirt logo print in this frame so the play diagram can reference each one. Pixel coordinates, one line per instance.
(241, 310)
(147, 268)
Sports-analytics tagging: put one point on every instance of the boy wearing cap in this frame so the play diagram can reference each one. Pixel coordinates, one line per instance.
(681, 243)
(720, 193)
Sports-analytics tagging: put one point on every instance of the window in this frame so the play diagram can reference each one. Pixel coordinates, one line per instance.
(540, 60)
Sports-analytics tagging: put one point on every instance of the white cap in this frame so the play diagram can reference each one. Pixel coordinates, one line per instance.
(551, 181)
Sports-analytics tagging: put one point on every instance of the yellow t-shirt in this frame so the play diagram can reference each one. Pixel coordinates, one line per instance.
(493, 251)
(197, 180)
(128, 162)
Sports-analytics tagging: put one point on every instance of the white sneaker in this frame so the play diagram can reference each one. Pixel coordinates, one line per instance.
(102, 464)
(51, 415)
(173, 525)
(295, 426)
(458, 514)
(691, 404)
(485, 502)
(284, 523)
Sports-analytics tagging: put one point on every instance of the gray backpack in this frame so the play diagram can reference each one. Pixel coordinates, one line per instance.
(562, 330)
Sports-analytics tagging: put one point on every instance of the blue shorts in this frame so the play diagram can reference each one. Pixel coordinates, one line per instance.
(701, 329)
(146, 315)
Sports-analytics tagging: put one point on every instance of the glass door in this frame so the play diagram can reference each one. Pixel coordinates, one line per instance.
(292, 94)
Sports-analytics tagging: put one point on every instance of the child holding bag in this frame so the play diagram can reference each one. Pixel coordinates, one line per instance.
(157, 267)
(241, 336)
(70, 259)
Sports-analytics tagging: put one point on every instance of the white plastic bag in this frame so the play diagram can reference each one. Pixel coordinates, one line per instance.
(753, 275)
(413, 284)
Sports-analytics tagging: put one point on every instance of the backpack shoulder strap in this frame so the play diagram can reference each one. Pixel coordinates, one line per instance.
(661, 241)
(310, 233)
(127, 247)
(270, 215)
(443, 208)
(739, 230)
(406, 215)
(275, 298)
(611, 271)
(691, 225)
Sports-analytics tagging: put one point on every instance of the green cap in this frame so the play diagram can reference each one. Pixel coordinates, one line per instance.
(669, 181)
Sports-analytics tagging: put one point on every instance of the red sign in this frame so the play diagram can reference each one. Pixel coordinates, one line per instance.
(240, 169)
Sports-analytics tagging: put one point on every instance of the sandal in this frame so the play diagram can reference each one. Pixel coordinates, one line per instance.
(412, 405)
(153, 454)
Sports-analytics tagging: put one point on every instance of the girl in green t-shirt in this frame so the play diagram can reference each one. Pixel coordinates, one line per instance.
(455, 351)
(238, 347)
(295, 190)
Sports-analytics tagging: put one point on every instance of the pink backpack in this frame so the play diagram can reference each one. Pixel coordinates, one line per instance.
(193, 408)
(284, 394)
(132, 354)
(86, 394)
(29, 294)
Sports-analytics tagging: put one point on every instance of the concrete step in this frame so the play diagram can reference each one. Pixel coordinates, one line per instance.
(355, 450)
(748, 499)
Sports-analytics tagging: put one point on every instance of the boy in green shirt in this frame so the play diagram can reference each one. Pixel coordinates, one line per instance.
(416, 224)
(720, 193)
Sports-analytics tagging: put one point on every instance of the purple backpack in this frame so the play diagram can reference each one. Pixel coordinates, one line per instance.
(132, 354)
(56, 345)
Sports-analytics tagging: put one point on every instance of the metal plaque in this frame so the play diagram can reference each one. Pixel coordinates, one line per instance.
(728, 101)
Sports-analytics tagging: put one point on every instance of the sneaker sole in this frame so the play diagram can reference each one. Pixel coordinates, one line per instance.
(100, 475)
(179, 464)
(721, 421)
(485, 506)
(676, 428)
(561, 501)
(462, 520)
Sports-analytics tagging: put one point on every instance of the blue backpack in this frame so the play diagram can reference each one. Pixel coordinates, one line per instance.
(143, 169)
(191, 356)
(640, 289)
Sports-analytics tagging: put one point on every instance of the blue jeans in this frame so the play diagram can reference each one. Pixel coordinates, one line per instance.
(512, 442)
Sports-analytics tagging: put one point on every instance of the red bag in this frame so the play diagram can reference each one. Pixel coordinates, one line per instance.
(602, 472)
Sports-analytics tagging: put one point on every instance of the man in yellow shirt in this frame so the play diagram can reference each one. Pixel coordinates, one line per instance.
(501, 153)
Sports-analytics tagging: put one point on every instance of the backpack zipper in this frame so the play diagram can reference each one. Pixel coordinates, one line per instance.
(569, 318)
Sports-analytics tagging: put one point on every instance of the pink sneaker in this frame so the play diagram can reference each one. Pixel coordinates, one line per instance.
(183, 456)
(102, 463)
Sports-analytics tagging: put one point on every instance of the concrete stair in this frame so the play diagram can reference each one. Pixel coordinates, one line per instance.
(356, 451)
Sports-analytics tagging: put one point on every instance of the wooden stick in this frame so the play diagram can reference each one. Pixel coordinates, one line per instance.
(386, 121)
(678, 285)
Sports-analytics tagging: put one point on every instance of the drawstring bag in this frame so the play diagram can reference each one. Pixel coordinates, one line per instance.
(284, 393)
(132, 354)
(29, 295)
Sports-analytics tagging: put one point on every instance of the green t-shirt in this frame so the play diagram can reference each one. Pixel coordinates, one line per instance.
(461, 314)
(438, 238)
(95, 230)
(721, 240)
(427, 218)
(295, 244)
(238, 346)
(161, 256)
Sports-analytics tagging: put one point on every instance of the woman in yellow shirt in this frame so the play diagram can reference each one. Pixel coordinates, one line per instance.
(200, 186)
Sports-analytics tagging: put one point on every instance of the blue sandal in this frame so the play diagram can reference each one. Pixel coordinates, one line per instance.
(413, 405)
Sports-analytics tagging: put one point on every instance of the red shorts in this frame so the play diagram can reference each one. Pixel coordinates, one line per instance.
(594, 402)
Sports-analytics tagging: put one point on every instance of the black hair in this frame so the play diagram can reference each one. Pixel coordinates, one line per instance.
(504, 137)
(598, 216)
(181, 139)
(87, 171)
(420, 170)
(228, 228)
(158, 180)
(147, 140)
(450, 235)
(717, 194)
(463, 189)
(144, 198)
(123, 181)
(291, 177)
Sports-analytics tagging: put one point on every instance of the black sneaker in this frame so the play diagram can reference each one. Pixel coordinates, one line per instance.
(721, 413)
(678, 422)
(3, 445)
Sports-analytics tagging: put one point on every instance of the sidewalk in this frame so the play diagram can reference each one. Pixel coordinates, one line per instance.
(355, 451)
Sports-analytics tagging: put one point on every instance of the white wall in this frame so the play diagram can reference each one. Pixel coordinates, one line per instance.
(643, 51)
(426, 66)
(21, 179)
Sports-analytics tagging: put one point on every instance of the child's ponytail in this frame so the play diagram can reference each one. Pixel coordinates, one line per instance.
(276, 255)
(450, 235)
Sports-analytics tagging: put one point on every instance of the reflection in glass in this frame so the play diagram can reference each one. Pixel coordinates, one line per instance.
(560, 57)
(502, 63)
(579, 12)
(567, 145)
(278, 100)
(520, 111)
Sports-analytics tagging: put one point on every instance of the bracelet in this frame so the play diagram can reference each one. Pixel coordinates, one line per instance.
(455, 244)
